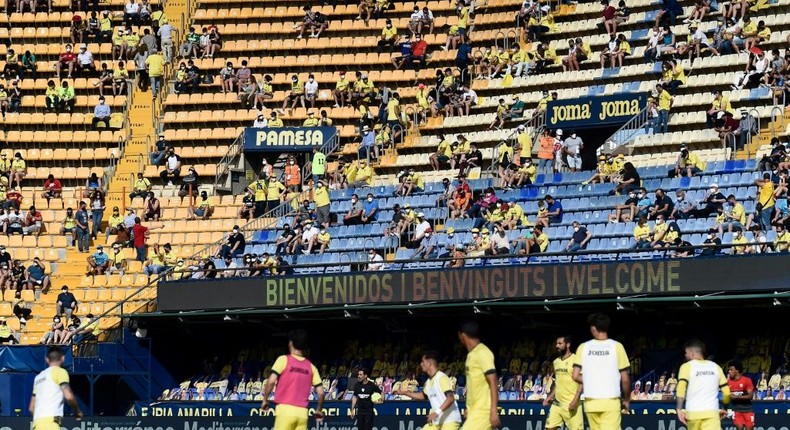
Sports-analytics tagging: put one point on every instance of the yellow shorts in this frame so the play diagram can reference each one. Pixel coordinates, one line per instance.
(476, 423)
(559, 415)
(444, 426)
(290, 423)
(712, 423)
(46, 424)
(604, 420)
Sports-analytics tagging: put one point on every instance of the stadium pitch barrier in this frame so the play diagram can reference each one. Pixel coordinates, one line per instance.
(587, 280)
(630, 422)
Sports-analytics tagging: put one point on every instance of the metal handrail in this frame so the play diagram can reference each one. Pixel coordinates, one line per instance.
(624, 134)
(729, 137)
(223, 167)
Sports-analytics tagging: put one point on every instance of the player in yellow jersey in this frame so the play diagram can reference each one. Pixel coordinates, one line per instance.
(699, 382)
(602, 367)
(50, 390)
(482, 386)
(565, 394)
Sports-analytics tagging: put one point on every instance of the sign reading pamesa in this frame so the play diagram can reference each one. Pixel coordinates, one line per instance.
(286, 139)
(501, 282)
(592, 111)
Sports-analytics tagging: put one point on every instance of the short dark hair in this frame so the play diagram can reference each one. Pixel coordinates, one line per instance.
(364, 370)
(566, 337)
(431, 355)
(54, 353)
(298, 338)
(470, 328)
(600, 321)
(737, 365)
(695, 344)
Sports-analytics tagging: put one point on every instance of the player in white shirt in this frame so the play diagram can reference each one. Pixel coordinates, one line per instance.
(602, 367)
(699, 382)
(444, 414)
(50, 390)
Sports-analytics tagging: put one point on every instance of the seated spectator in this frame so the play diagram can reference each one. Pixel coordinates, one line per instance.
(234, 244)
(162, 260)
(7, 334)
(153, 208)
(710, 245)
(662, 205)
(172, 172)
(65, 99)
(101, 114)
(66, 61)
(642, 234)
(189, 183)
(371, 209)
(105, 78)
(664, 235)
(320, 241)
(629, 180)
(52, 188)
(247, 207)
(21, 310)
(120, 76)
(87, 330)
(33, 222)
(746, 130)
(428, 243)
(14, 222)
(142, 187)
(36, 278)
(66, 303)
(389, 35)
(580, 238)
(98, 262)
(204, 209)
(84, 63)
(498, 242)
(713, 202)
(115, 222)
(159, 151)
(533, 242)
(741, 243)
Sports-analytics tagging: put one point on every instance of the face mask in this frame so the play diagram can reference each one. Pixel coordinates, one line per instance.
(319, 185)
(100, 251)
(680, 198)
(292, 163)
(370, 199)
(573, 136)
(389, 25)
(353, 200)
(235, 231)
(451, 235)
(641, 195)
(710, 236)
(474, 234)
(371, 256)
(575, 228)
(659, 221)
(311, 79)
(427, 235)
(294, 80)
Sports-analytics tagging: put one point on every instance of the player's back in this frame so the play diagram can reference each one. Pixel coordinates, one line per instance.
(601, 362)
(49, 395)
(704, 379)
(479, 363)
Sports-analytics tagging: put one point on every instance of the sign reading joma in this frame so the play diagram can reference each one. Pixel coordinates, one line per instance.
(590, 111)
(286, 138)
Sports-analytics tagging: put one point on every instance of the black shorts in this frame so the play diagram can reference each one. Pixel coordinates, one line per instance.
(534, 249)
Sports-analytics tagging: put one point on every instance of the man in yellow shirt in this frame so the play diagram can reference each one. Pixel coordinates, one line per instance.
(719, 104)
(364, 176)
(463, 19)
(322, 203)
(155, 63)
(740, 243)
(482, 387)
(782, 243)
(602, 367)
(340, 93)
(295, 95)
(295, 377)
(665, 101)
(524, 144)
(526, 174)
(442, 154)
(389, 35)
(51, 390)
(688, 164)
(699, 383)
(259, 188)
(765, 201)
(311, 120)
(565, 394)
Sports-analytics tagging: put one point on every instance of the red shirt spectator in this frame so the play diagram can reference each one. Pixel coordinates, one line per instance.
(609, 13)
(14, 196)
(418, 48)
(53, 185)
(138, 230)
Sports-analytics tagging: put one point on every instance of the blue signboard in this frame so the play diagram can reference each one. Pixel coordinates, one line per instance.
(400, 408)
(594, 111)
(287, 139)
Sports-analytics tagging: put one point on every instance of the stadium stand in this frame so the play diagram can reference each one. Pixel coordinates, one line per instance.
(197, 115)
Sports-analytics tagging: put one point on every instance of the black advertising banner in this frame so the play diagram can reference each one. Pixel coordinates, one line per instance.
(630, 422)
(505, 282)
(594, 111)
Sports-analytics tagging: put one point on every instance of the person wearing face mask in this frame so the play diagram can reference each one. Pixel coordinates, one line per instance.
(153, 208)
(311, 92)
(83, 231)
(389, 35)
(204, 210)
(375, 261)
(498, 242)
(234, 244)
(355, 212)
(713, 201)
(364, 176)
(117, 261)
(295, 95)
(662, 205)
(741, 244)
(322, 203)
(98, 262)
(370, 209)
(275, 192)
(450, 243)
(572, 147)
(293, 175)
(643, 205)
(69, 226)
(428, 245)
(172, 172)
(580, 238)
(159, 152)
(662, 235)
(526, 174)
(641, 234)
(709, 246)
(284, 239)
(320, 240)
(685, 206)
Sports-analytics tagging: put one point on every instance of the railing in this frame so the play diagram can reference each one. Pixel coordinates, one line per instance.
(223, 167)
(625, 133)
(328, 148)
(774, 116)
(729, 141)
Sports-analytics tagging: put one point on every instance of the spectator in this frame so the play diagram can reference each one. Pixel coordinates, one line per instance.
(82, 228)
(741, 243)
(159, 151)
(389, 35)
(115, 222)
(141, 188)
(120, 77)
(642, 235)
(66, 60)
(720, 104)
(355, 212)
(765, 201)
(311, 94)
(419, 230)
(580, 238)
(629, 180)
(69, 226)
(141, 235)
(320, 240)
(782, 242)
(546, 152)
(28, 66)
(710, 247)
(746, 129)
(572, 148)
(172, 172)
(21, 310)
(662, 205)
(153, 208)
(161, 260)
(664, 235)
(368, 145)
(36, 278)
(65, 98)
(84, 62)
(295, 95)
(14, 222)
(33, 222)
(101, 114)
(713, 202)
(7, 334)
(734, 216)
(364, 175)
(98, 262)
(155, 66)
(498, 243)
(428, 244)
(554, 209)
(204, 209)
(87, 330)
(189, 183)
(533, 242)
(371, 209)
(685, 206)
(726, 126)
(234, 244)
(322, 203)
(375, 261)
(665, 101)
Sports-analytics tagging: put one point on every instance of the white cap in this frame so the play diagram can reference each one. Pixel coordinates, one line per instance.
(720, 115)
(521, 127)
(714, 185)
(421, 215)
(559, 132)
